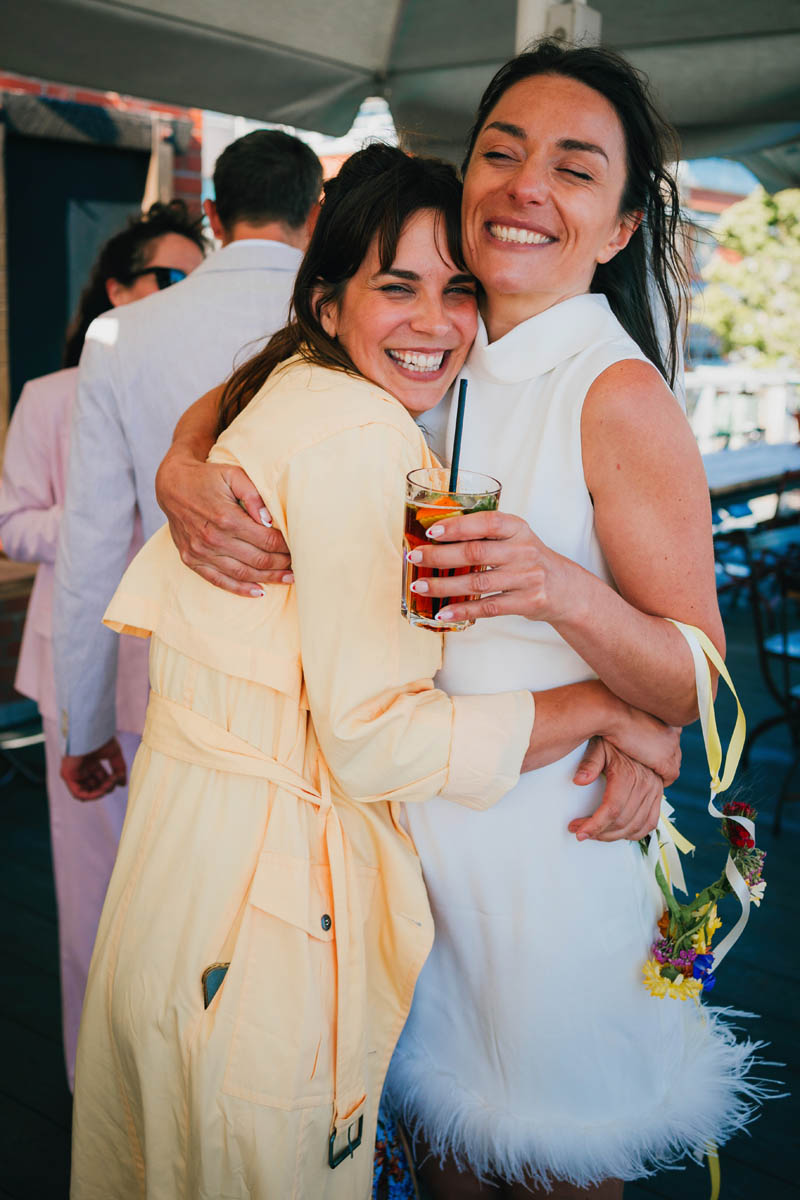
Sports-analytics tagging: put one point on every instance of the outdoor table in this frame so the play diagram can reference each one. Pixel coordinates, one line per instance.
(761, 470)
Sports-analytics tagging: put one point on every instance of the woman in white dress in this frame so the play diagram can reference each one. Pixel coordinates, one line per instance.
(533, 1055)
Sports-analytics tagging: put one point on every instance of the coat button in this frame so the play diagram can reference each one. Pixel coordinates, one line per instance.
(326, 922)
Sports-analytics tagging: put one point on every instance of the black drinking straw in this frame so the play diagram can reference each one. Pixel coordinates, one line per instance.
(437, 602)
(462, 396)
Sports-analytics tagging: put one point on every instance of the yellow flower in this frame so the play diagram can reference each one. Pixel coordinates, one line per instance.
(702, 939)
(679, 989)
(653, 980)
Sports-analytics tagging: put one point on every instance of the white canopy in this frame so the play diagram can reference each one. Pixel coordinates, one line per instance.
(726, 71)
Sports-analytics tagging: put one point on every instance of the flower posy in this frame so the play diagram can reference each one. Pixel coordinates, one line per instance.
(681, 961)
(736, 834)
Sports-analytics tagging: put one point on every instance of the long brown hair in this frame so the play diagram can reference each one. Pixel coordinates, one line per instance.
(373, 196)
(651, 144)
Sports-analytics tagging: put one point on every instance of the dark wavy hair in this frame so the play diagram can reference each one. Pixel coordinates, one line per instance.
(267, 175)
(650, 189)
(373, 196)
(123, 254)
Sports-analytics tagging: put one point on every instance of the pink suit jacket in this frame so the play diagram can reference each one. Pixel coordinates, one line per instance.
(31, 498)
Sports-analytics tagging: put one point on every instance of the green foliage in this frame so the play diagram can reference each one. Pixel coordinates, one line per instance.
(752, 301)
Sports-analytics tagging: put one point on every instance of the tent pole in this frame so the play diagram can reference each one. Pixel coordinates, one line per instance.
(573, 22)
(160, 178)
(531, 22)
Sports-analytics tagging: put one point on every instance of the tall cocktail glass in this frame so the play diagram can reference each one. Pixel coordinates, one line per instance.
(430, 501)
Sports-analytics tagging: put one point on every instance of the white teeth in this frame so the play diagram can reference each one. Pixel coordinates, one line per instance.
(525, 237)
(412, 360)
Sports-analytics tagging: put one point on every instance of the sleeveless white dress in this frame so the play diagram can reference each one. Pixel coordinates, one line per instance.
(532, 1045)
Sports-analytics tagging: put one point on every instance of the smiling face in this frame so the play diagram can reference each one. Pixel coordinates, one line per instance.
(408, 328)
(542, 197)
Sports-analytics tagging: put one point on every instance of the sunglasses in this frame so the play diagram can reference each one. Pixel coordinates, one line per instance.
(165, 276)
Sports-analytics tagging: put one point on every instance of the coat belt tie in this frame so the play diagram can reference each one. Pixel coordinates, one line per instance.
(181, 733)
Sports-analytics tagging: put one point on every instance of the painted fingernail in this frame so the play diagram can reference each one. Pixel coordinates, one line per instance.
(420, 585)
(445, 614)
(435, 531)
(257, 593)
(266, 519)
(288, 578)
(414, 556)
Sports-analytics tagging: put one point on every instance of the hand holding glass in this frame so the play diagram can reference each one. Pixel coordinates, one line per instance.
(430, 501)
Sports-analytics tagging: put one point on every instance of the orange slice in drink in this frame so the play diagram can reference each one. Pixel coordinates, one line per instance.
(441, 512)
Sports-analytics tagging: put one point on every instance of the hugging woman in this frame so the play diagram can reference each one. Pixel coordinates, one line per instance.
(294, 743)
(262, 832)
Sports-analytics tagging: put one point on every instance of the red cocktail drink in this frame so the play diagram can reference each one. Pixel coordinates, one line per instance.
(429, 502)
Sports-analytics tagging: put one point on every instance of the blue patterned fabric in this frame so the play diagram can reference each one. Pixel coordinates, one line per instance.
(392, 1179)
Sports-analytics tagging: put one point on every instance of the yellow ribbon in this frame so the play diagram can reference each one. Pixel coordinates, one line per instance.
(699, 640)
(714, 1171)
(665, 842)
(703, 652)
(670, 840)
(683, 843)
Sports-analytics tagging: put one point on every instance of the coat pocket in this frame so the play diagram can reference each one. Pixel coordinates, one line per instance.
(281, 1053)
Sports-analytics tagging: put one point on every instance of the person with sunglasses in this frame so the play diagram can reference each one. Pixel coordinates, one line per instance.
(154, 250)
(164, 276)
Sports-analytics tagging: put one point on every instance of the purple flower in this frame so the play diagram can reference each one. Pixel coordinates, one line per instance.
(661, 951)
(664, 952)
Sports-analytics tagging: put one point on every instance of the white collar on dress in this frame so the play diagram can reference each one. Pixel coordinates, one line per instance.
(546, 340)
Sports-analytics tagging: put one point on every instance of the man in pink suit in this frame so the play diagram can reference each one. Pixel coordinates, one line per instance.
(164, 245)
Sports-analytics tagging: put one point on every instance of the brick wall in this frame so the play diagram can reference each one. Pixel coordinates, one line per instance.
(187, 171)
(188, 177)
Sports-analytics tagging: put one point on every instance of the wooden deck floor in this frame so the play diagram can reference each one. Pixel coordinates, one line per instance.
(760, 976)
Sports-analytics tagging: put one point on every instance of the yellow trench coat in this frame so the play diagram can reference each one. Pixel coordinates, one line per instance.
(262, 829)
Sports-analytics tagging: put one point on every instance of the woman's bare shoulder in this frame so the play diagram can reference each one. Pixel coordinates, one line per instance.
(631, 402)
(629, 390)
(632, 424)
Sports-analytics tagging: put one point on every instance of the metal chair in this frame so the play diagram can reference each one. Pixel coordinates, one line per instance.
(730, 567)
(772, 556)
(20, 730)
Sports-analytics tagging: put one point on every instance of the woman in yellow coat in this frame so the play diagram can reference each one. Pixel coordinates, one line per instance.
(267, 919)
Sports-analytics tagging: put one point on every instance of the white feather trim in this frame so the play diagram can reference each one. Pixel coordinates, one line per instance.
(714, 1095)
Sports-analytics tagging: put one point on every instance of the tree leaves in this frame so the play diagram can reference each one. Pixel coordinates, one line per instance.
(752, 300)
